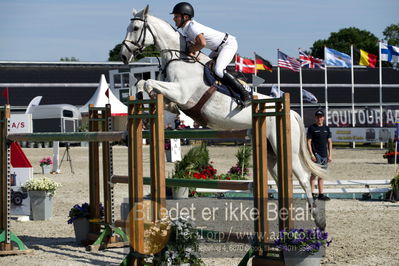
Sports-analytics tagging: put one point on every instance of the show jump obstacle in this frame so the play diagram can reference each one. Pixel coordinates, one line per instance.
(104, 233)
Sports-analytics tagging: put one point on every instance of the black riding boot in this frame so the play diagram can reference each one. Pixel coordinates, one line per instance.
(234, 84)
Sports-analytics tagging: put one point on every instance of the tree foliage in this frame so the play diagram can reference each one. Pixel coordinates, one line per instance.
(343, 39)
(391, 34)
(150, 51)
(69, 59)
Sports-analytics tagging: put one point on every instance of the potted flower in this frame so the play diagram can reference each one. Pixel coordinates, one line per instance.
(182, 247)
(45, 165)
(390, 153)
(194, 161)
(79, 216)
(395, 186)
(302, 247)
(41, 191)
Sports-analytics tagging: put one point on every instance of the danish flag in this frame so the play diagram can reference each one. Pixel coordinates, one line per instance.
(244, 65)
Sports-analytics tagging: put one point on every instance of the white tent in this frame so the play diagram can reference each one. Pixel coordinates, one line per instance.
(100, 99)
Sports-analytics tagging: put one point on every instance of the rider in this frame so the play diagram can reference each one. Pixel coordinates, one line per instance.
(223, 45)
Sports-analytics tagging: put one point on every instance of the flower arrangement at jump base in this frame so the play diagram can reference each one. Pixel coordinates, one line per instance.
(195, 164)
(42, 184)
(390, 153)
(79, 216)
(182, 247)
(301, 240)
(41, 191)
(45, 163)
(82, 211)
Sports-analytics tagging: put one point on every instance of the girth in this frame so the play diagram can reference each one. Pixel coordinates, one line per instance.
(195, 112)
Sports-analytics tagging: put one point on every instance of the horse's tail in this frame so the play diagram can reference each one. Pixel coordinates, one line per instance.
(314, 168)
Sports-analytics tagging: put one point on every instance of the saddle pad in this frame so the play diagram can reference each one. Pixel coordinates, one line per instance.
(210, 79)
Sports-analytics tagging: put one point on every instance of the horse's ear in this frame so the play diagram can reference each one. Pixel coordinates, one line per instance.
(145, 13)
(134, 12)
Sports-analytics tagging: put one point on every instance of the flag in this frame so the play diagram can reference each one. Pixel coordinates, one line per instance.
(5, 94)
(275, 92)
(285, 61)
(244, 65)
(389, 53)
(308, 97)
(308, 61)
(361, 57)
(263, 64)
(107, 93)
(335, 58)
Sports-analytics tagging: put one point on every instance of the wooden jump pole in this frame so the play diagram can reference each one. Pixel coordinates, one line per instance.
(8, 240)
(157, 158)
(109, 217)
(260, 178)
(4, 179)
(284, 161)
(280, 109)
(94, 174)
(135, 172)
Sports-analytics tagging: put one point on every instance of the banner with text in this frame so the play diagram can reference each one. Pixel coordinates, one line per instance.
(364, 117)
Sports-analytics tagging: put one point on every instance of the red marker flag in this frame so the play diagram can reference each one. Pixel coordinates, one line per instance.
(107, 94)
(6, 95)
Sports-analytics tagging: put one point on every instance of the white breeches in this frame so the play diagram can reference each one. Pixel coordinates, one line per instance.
(225, 54)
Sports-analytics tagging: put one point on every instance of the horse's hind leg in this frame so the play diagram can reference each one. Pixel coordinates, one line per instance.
(304, 179)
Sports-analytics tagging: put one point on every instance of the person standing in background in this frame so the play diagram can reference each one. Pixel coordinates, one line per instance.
(320, 148)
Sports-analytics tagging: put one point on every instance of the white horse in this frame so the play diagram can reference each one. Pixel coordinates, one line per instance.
(185, 87)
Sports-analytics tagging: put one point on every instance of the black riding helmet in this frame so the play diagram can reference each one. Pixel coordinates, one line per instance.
(183, 8)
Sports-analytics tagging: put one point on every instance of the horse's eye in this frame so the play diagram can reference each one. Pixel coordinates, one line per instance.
(135, 28)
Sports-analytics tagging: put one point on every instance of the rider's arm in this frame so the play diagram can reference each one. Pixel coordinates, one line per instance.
(200, 43)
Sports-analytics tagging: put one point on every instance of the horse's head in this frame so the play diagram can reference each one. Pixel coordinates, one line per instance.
(138, 36)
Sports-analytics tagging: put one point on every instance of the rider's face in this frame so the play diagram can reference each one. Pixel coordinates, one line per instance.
(177, 18)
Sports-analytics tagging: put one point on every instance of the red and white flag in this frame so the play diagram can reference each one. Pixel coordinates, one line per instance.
(244, 65)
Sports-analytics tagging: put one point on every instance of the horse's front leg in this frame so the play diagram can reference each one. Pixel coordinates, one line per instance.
(170, 90)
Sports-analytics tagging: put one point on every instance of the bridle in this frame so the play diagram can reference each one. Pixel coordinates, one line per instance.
(140, 47)
(141, 40)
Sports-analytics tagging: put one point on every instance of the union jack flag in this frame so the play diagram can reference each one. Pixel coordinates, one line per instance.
(309, 61)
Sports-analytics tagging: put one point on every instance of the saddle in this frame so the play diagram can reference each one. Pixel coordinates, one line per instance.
(214, 84)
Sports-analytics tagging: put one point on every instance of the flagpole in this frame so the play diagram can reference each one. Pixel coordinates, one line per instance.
(325, 86)
(300, 87)
(278, 72)
(380, 89)
(353, 94)
(255, 73)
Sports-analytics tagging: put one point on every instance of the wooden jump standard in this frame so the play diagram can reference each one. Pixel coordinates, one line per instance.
(156, 134)
(261, 110)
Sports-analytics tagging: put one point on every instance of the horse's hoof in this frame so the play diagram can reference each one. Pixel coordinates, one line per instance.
(319, 218)
(139, 95)
(153, 94)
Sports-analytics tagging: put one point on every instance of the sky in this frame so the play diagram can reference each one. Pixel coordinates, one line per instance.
(47, 30)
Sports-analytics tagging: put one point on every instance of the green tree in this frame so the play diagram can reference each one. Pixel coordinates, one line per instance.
(343, 39)
(147, 52)
(391, 34)
(69, 59)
